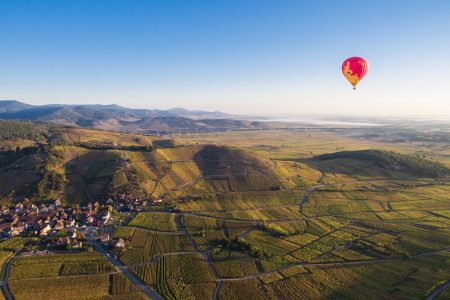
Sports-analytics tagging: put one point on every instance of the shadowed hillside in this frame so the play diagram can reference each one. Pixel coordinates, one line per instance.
(388, 160)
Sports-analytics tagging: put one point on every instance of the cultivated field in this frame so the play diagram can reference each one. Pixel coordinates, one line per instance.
(253, 215)
(69, 276)
(342, 228)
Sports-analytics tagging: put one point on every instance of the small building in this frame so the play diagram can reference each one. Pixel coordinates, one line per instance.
(63, 241)
(59, 225)
(72, 234)
(77, 245)
(120, 243)
(45, 230)
(70, 223)
(104, 238)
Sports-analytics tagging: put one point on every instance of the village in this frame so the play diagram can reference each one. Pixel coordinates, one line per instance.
(67, 228)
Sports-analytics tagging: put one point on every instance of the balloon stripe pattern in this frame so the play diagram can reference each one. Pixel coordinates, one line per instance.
(354, 69)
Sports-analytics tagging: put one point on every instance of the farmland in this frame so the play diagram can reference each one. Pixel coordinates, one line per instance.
(63, 276)
(261, 215)
(361, 223)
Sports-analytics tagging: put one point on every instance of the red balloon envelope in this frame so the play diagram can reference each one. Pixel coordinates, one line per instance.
(354, 69)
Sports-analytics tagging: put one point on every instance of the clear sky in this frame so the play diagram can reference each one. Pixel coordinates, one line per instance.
(266, 57)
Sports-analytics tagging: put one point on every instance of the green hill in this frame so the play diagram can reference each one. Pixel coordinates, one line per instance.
(412, 165)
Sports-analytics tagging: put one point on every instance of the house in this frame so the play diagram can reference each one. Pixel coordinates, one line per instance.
(104, 237)
(45, 230)
(70, 223)
(5, 228)
(63, 241)
(59, 225)
(120, 243)
(106, 216)
(77, 245)
(16, 230)
(72, 234)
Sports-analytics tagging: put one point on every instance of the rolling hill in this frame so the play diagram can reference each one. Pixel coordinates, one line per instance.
(118, 118)
(81, 165)
(388, 162)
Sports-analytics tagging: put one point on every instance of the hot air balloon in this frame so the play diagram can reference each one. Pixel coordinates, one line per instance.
(354, 69)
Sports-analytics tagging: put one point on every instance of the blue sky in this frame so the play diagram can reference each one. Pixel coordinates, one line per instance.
(266, 57)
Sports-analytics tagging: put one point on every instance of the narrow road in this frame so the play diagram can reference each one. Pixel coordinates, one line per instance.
(145, 289)
(5, 288)
(216, 290)
(437, 290)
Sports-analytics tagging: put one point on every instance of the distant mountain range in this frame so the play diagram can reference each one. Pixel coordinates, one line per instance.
(119, 118)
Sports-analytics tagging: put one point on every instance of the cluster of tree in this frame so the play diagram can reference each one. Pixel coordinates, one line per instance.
(278, 231)
(361, 245)
(14, 130)
(413, 165)
(241, 245)
(103, 146)
(166, 143)
(276, 188)
(9, 156)
(54, 155)
(51, 180)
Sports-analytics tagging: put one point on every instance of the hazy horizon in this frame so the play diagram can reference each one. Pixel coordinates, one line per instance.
(252, 58)
(441, 117)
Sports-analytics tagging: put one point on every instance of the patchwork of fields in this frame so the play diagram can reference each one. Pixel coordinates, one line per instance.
(261, 220)
(335, 229)
(380, 243)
